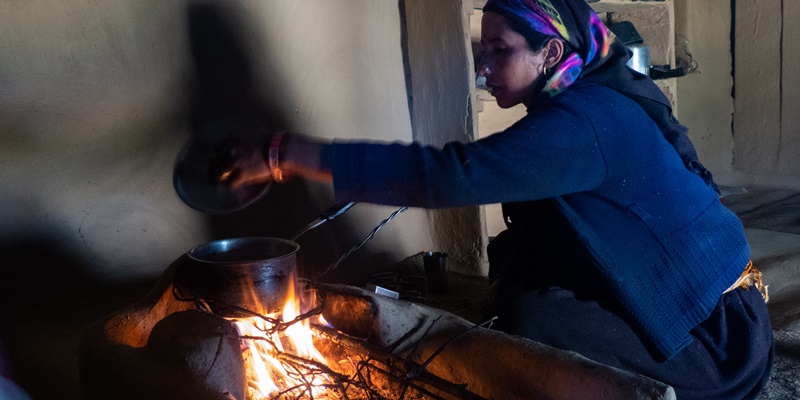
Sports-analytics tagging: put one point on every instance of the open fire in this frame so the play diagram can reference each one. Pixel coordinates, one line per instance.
(282, 360)
(371, 347)
(279, 354)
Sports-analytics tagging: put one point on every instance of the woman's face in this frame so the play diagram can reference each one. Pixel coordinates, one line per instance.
(513, 72)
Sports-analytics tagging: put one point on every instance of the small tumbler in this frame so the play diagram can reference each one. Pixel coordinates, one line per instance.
(436, 271)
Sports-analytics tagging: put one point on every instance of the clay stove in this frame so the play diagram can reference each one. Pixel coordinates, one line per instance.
(167, 348)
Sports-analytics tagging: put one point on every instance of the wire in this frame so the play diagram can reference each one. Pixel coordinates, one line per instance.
(363, 242)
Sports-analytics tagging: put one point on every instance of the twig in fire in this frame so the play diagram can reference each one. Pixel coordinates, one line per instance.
(396, 369)
(363, 242)
(382, 362)
(303, 368)
(277, 325)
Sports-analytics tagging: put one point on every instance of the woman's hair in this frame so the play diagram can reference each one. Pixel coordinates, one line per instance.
(536, 40)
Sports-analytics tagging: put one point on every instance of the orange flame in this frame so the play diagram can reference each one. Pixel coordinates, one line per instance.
(262, 346)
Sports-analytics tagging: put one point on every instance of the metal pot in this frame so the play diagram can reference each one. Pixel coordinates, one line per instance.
(250, 273)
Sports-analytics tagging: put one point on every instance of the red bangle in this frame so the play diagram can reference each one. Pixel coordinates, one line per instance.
(273, 159)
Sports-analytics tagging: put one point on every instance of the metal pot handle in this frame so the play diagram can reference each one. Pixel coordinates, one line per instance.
(327, 215)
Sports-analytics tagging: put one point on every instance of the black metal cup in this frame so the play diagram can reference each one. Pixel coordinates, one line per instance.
(435, 263)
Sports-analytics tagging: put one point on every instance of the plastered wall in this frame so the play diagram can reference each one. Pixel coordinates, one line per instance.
(97, 97)
(741, 111)
(89, 126)
(766, 111)
(706, 104)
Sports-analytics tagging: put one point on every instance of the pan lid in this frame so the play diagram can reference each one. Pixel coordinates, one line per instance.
(196, 173)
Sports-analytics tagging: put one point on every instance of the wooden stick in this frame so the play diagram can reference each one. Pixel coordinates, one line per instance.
(398, 364)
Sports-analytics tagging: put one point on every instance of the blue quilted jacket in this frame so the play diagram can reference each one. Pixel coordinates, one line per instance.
(657, 234)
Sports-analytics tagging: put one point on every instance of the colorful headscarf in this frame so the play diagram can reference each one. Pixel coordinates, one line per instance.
(595, 55)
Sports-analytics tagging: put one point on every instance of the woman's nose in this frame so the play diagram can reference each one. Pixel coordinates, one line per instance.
(483, 67)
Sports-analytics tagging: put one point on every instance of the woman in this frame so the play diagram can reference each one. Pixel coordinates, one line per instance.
(617, 244)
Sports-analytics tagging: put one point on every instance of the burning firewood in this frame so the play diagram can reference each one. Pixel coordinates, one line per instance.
(350, 344)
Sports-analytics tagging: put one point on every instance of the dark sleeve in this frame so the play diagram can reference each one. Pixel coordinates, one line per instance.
(551, 153)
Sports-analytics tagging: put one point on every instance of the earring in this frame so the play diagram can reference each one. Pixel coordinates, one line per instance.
(547, 71)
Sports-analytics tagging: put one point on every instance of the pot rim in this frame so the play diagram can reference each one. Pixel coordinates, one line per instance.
(207, 253)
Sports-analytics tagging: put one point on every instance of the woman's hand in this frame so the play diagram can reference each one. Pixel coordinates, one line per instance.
(240, 163)
(279, 157)
(250, 169)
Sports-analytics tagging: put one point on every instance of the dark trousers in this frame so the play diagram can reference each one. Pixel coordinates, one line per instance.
(730, 357)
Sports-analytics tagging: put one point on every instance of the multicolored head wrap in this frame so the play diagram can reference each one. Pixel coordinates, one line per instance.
(594, 54)
(574, 22)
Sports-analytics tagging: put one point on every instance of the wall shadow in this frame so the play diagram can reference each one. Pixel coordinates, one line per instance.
(47, 300)
(225, 84)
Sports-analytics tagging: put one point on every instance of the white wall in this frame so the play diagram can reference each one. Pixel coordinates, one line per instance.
(443, 95)
(97, 97)
(89, 127)
(767, 115)
(751, 139)
(705, 102)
